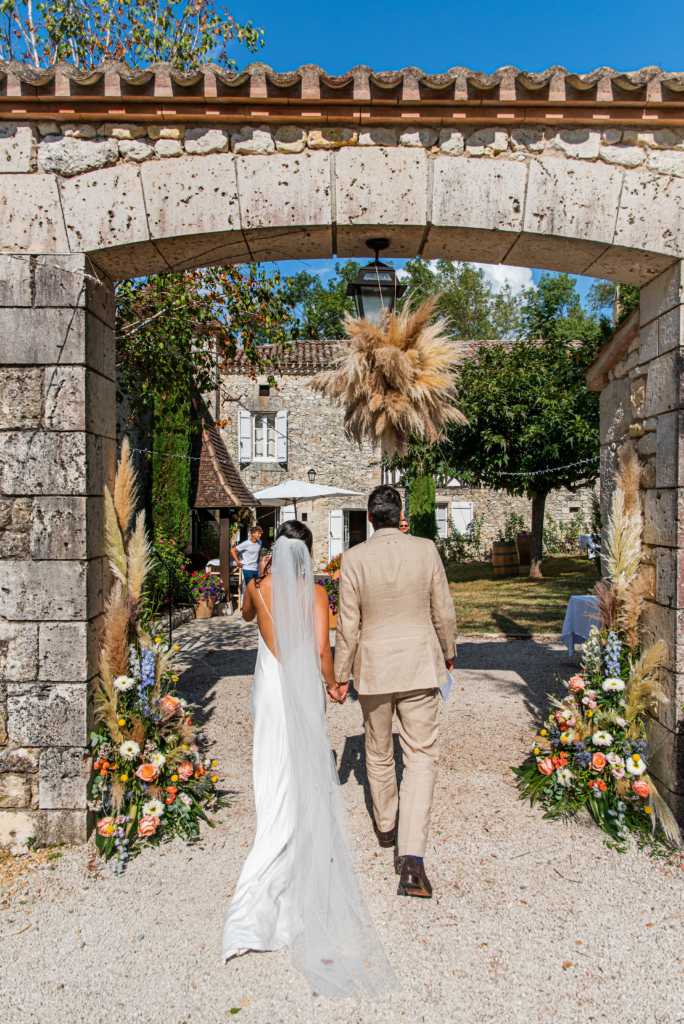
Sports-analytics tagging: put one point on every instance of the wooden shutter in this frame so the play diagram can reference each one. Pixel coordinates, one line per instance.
(287, 512)
(441, 512)
(245, 435)
(335, 533)
(281, 435)
(461, 515)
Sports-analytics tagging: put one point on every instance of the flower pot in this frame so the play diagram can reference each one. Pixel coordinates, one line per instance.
(505, 558)
(204, 609)
(524, 544)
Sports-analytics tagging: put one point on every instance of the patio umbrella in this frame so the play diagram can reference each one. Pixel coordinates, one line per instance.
(292, 491)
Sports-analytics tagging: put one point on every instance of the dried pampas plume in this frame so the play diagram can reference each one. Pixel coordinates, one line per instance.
(394, 379)
(643, 687)
(138, 558)
(115, 633)
(114, 545)
(664, 814)
(125, 489)
(623, 534)
(106, 701)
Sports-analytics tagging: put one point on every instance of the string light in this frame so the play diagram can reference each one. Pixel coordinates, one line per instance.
(551, 469)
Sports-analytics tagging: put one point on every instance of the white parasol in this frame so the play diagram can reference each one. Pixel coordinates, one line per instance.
(292, 491)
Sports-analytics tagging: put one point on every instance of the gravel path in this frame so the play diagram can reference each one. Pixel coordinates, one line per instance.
(532, 921)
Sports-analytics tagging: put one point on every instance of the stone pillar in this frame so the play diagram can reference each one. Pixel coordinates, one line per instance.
(57, 450)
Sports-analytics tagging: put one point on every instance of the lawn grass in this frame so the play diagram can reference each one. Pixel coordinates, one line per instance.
(486, 603)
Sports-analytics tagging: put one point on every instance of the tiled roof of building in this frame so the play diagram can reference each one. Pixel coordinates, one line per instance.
(299, 357)
(214, 480)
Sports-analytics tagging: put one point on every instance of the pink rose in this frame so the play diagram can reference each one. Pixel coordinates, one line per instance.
(576, 684)
(185, 771)
(588, 702)
(546, 766)
(598, 762)
(169, 704)
(106, 826)
(147, 772)
(148, 825)
(641, 788)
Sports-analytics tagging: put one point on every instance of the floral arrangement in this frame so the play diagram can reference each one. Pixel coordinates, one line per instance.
(333, 565)
(593, 748)
(151, 781)
(332, 588)
(206, 586)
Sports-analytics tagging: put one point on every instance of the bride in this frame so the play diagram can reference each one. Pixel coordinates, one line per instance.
(298, 886)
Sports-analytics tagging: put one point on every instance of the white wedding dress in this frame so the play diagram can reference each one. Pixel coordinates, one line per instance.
(298, 886)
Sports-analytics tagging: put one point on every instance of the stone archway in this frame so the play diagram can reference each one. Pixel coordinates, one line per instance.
(138, 174)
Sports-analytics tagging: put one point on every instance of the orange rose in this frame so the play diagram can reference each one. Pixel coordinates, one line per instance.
(185, 770)
(169, 703)
(147, 773)
(149, 825)
(546, 766)
(598, 762)
(106, 826)
(576, 684)
(641, 788)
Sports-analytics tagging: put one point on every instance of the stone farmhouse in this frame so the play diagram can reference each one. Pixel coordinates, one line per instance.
(277, 434)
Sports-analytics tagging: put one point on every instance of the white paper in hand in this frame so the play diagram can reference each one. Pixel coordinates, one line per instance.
(445, 688)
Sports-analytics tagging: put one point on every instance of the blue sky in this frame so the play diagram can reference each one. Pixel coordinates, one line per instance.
(482, 36)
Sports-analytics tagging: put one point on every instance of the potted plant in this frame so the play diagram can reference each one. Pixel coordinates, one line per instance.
(332, 589)
(206, 589)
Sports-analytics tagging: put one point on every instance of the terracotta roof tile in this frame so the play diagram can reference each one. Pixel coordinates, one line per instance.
(215, 482)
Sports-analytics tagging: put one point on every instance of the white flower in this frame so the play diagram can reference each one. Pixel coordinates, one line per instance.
(129, 750)
(618, 772)
(602, 738)
(635, 765)
(184, 798)
(622, 722)
(155, 807)
(123, 683)
(612, 684)
(615, 759)
(565, 777)
(157, 759)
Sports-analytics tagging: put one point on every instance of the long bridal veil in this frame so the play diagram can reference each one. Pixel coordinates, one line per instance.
(338, 948)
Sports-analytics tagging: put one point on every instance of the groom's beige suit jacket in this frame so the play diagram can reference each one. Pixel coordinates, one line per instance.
(395, 587)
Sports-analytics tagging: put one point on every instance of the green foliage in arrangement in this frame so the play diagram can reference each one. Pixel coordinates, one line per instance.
(171, 468)
(423, 518)
(137, 32)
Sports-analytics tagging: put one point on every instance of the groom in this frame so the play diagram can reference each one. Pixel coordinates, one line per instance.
(396, 585)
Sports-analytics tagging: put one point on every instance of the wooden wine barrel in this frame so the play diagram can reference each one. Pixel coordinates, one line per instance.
(505, 558)
(524, 544)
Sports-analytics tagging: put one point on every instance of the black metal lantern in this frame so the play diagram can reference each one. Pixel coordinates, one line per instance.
(312, 476)
(376, 286)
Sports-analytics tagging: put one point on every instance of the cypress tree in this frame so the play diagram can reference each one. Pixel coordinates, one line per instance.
(422, 512)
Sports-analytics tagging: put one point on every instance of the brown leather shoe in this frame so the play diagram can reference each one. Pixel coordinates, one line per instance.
(413, 880)
(385, 839)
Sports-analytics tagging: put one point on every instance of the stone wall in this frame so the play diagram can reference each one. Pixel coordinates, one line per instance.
(57, 450)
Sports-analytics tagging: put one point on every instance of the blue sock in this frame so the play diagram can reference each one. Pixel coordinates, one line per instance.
(419, 859)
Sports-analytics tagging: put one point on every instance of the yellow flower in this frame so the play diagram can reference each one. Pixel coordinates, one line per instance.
(636, 757)
(122, 721)
(174, 778)
(184, 746)
(214, 778)
(214, 764)
(536, 750)
(564, 738)
(174, 679)
(543, 732)
(176, 647)
(590, 714)
(110, 829)
(649, 810)
(123, 778)
(157, 639)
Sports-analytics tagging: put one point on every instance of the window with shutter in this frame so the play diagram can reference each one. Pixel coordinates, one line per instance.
(281, 434)
(244, 435)
(442, 521)
(461, 515)
(264, 438)
(335, 533)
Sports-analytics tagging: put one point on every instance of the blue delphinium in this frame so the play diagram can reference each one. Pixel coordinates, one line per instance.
(592, 657)
(613, 648)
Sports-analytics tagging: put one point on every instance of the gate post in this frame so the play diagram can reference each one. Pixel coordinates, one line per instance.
(57, 451)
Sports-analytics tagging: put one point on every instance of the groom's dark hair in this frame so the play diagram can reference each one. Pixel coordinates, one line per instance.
(384, 507)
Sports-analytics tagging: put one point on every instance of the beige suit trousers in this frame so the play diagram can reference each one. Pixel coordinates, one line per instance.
(418, 725)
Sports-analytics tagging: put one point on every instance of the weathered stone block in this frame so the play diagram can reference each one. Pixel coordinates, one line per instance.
(31, 219)
(290, 138)
(669, 330)
(664, 384)
(531, 139)
(42, 463)
(68, 156)
(47, 715)
(669, 439)
(136, 151)
(421, 138)
(18, 651)
(253, 141)
(287, 191)
(84, 131)
(661, 523)
(206, 140)
(329, 138)
(651, 214)
(661, 294)
(23, 760)
(666, 577)
(159, 131)
(15, 790)
(37, 591)
(375, 137)
(122, 131)
(49, 128)
(166, 148)
(648, 342)
(665, 754)
(78, 399)
(486, 142)
(104, 208)
(21, 399)
(63, 778)
(16, 829)
(577, 201)
(667, 163)
(15, 281)
(451, 142)
(616, 413)
(34, 336)
(68, 651)
(54, 827)
(17, 149)
(623, 156)
(647, 445)
(63, 527)
(579, 143)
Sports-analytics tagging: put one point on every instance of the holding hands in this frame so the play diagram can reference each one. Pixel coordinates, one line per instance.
(337, 692)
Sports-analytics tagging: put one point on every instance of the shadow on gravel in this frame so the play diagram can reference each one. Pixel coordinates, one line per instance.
(353, 762)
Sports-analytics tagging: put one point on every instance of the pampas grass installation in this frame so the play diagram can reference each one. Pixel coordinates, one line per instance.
(663, 813)
(114, 545)
(125, 489)
(138, 558)
(394, 379)
(115, 632)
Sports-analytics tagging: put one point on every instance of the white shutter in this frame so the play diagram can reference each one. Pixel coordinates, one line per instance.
(461, 515)
(442, 523)
(345, 531)
(287, 512)
(369, 528)
(245, 435)
(335, 533)
(281, 435)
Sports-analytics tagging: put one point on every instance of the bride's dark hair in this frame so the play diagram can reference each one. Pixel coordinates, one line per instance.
(295, 530)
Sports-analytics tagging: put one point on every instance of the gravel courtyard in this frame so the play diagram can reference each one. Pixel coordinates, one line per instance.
(532, 921)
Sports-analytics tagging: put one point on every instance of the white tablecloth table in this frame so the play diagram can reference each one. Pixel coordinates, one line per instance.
(581, 615)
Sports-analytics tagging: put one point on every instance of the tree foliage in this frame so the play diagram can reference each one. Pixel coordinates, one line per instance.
(171, 468)
(174, 330)
(422, 514)
(138, 32)
(323, 306)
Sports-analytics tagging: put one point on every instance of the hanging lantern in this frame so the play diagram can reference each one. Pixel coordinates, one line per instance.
(376, 287)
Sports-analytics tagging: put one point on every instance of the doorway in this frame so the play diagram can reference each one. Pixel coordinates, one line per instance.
(357, 526)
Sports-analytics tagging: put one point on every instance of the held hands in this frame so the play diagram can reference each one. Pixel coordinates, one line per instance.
(449, 662)
(337, 692)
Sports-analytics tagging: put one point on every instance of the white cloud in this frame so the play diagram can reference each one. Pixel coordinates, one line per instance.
(496, 274)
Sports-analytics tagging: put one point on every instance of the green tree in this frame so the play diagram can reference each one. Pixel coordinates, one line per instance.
(138, 32)
(323, 306)
(170, 468)
(422, 513)
(553, 311)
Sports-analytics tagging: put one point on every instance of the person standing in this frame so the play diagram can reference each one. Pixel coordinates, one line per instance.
(247, 555)
(395, 585)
